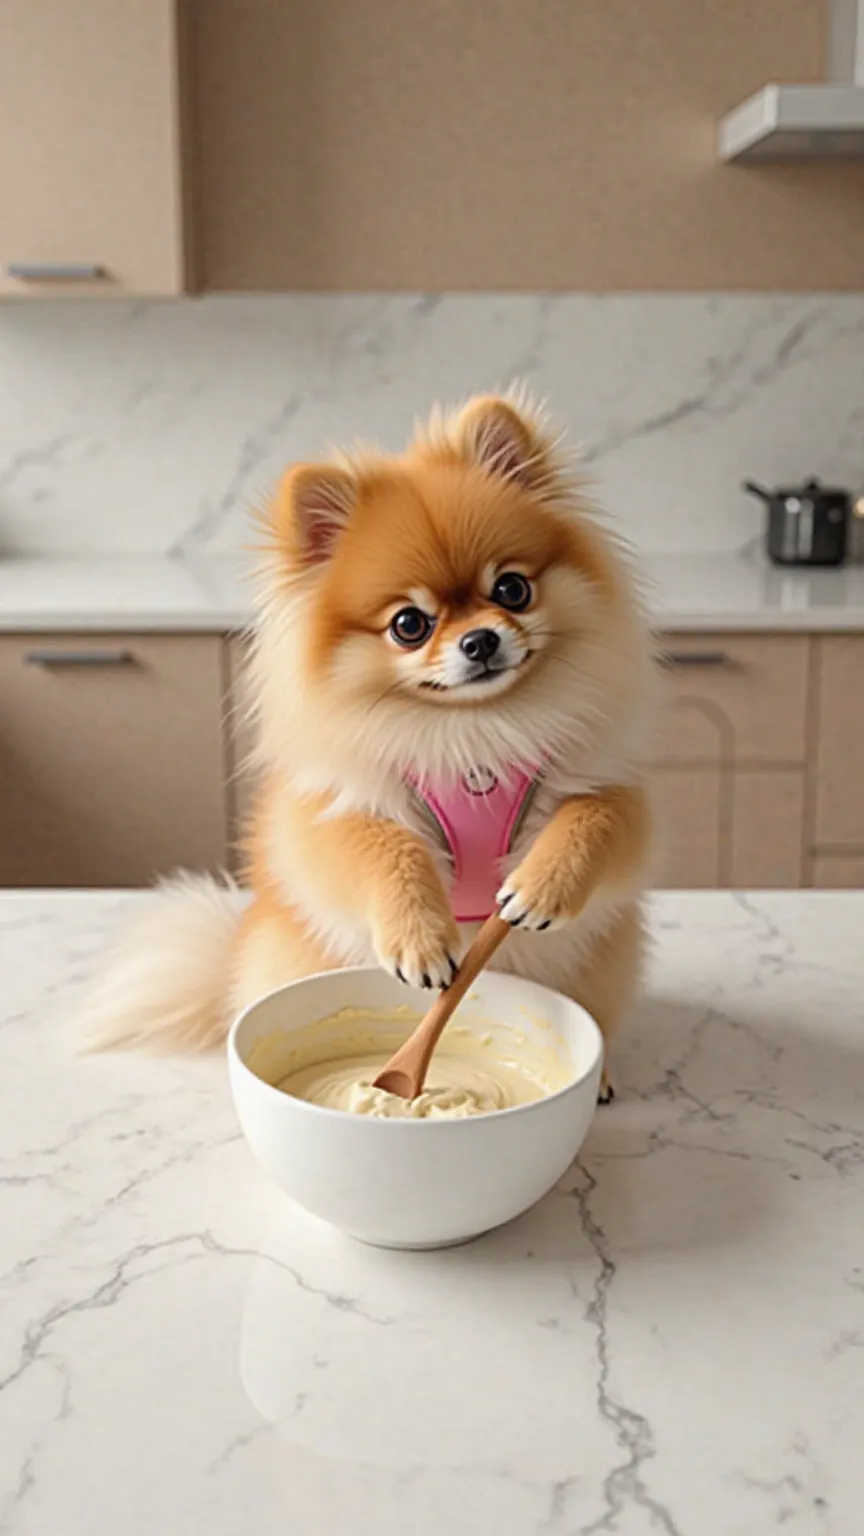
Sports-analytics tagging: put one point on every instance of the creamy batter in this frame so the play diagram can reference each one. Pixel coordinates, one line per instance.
(455, 1087)
(333, 1064)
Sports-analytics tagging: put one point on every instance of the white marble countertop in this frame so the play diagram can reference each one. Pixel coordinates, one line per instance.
(689, 593)
(132, 593)
(671, 1342)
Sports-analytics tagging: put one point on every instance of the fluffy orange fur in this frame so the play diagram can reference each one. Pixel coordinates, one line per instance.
(342, 864)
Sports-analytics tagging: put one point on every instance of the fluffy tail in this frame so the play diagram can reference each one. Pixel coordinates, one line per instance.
(164, 983)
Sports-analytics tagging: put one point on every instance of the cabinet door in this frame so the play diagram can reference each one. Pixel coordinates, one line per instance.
(767, 839)
(689, 818)
(839, 818)
(91, 111)
(722, 827)
(242, 776)
(838, 872)
(734, 698)
(111, 758)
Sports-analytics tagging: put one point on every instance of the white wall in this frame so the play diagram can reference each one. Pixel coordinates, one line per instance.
(151, 427)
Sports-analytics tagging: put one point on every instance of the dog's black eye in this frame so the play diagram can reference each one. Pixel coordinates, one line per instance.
(410, 626)
(512, 591)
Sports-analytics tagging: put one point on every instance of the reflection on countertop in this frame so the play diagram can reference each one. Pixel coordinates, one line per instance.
(152, 593)
(671, 1341)
(746, 592)
(687, 593)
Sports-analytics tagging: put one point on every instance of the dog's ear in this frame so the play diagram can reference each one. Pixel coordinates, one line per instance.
(505, 440)
(314, 504)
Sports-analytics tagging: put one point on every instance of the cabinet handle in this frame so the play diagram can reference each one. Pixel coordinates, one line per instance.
(79, 659)
(56, 271)
(696, 659)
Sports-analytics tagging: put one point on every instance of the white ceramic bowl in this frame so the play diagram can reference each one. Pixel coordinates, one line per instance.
(415, 1183)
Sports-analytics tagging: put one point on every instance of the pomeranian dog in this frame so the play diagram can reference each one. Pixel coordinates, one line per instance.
(453, 683)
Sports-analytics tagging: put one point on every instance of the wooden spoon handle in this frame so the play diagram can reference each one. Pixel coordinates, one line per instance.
(405, 1072)
(476, 959)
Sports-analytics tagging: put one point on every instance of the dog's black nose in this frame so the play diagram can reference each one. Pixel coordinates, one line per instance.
(480, 644)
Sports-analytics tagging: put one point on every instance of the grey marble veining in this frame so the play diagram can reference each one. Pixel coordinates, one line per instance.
(671, 1342)
(151, 428)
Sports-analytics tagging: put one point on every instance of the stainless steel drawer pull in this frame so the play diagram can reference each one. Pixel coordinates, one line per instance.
(56, 271)
(696, 659)
(78, 659)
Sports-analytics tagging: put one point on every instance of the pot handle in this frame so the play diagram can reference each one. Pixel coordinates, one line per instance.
(753, 488)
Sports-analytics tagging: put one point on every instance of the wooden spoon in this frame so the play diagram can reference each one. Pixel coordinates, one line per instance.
(405, 1072)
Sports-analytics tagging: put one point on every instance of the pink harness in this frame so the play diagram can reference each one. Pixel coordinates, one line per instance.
(479, 817)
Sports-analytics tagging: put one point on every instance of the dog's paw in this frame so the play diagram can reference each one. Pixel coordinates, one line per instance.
(538, 899)
(605, 1093)
(422, 948)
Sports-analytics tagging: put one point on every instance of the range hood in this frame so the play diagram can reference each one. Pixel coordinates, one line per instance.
(807, 122)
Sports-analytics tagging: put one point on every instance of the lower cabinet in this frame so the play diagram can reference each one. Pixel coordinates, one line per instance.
(125, 756)
(838, 872)
(688, 816)
(730, 770)
(838, 746)
(720, 826)
(111, 758)
(766, 830)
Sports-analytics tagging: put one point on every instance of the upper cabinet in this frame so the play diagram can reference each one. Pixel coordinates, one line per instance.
(93, 191)
(570, 144)
(436, 145)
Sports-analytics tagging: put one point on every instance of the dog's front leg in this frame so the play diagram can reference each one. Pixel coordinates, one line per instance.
(590, 842)
(375, 870)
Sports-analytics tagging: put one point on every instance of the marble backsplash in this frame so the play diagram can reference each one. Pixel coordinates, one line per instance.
(152, 427)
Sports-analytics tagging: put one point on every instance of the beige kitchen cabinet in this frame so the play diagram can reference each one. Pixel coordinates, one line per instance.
(370, 144)
(94, 164)
(839, 743)
(730, 753)
(838, 872)
(111, 758)
(374, 144)
(734, 698)
(765, 847)
(689, 815)
(716, 827)
(125, 756)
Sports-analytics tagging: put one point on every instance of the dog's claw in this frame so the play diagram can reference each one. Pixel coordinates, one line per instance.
(503, 912)
(401, 975)
(427, 979)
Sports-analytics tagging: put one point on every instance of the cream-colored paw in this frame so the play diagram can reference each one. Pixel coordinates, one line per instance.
(538, 900)
(422, 949)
